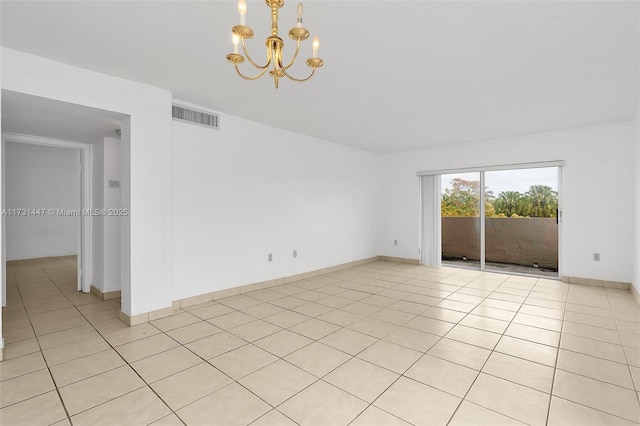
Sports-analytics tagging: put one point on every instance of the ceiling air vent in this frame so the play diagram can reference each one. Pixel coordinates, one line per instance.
(195, 117)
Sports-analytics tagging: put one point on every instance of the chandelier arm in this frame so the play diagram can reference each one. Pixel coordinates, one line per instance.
(264, 70)
(295, 56)
(298, 80)
(244, 48)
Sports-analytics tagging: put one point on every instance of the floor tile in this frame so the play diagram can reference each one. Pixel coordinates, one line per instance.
(602, 396)
(190, 385)
(283, 343)
(25, 387)
(362, 379)
(473, 336)
(141, 406)
(215, 345)
(373, 327)
(322, 404)
(460, 353)
(430, 325)
(521, 371)
(470, 414)
(373, 416)
(175, 321)
(485, 323)
(22, 365)
(242, 361)
(314, 328)
(596, 368)
(563, 412)
(286, 319)
(525, 349)
(405, 399)
(390, 356)
(231, 405)
(273, 418)
(85, 367)
(317, 358)
(164, 364)
(193, 332)
(510, 399)
(277, 382)
(96, 390)
(413, 339)
(349, 341)
(255, 330)
(44, 409)
(144, 348)
(533, 334)
(444, 375)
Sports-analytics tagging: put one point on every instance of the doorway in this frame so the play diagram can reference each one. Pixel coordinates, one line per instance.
(499, 219)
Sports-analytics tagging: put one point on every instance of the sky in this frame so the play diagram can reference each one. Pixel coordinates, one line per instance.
(510, 180)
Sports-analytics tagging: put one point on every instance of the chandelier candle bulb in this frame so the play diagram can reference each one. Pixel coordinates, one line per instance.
(300, 9)
(316, 46)
(235, 39)
(242, 10)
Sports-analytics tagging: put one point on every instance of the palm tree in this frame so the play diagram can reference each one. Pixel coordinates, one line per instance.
(508, 203)
(543, 201)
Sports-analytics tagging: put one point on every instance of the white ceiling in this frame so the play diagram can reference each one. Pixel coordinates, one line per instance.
(398, 75)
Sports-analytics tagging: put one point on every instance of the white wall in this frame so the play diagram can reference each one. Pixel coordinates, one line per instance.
(636, 200)
(248, 190)
(41, 177)
(106, 229)
(147, 249)
(596, 192)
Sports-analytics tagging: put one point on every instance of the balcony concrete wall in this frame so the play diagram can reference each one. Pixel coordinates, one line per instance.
(519, 241)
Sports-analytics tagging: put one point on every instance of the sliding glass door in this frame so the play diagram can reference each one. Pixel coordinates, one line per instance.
(503, 220)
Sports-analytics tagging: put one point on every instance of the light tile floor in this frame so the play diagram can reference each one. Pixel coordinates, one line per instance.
(379, 344)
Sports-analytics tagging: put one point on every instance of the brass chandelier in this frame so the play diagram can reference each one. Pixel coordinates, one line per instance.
(274, 44)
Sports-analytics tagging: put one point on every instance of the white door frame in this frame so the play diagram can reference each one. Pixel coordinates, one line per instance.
(85, 238)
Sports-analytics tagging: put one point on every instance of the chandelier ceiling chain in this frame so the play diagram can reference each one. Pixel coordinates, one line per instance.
(274, 44)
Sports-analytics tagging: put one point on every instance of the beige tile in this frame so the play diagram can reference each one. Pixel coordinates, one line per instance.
(190, 385)
(540, 311)
(193, 332)
(71, 351)
(215, 345)
(485, 323)
(274, 418)
(500, 304)
(528, 350)
(286, 319)
(139, 407)
(373, 416)
(25, 387)
(495, 313)
(317, 358)
(430, 325)
(175, 321)
(602, 396)
(262, 310)
(390, 356)
(470, 414)
(312, 309)
(144, 348)
(322, 404)
(242, 361)
(630, 340)
(405, 399)
(591, 332)
(473, 336)
(230, 320)
(635, 373)
(255, 330)
(209, 310)
(409, 307)
(510, 399)
(373, 327)
(594, 320)
(349, 341)
(277, 382)
(164, 364)
(131, 334)
(85, 367)
(170, 420)
(460, 353)
(444, 375)
(533, 334)
(563, 412)
(22, 365)
(98, 389)
(412, 339)
(231, 405)
(362, 379)
(340, 317)
(63, 337)
(21, 347)
(633, 356)
(596, 368)
(41, 410)
(283, 343)
(314, 328)
(521, 371)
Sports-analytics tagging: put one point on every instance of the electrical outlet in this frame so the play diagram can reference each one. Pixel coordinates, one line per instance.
(270, 257)
(596, 257)
(295, 253)
(395, 242)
